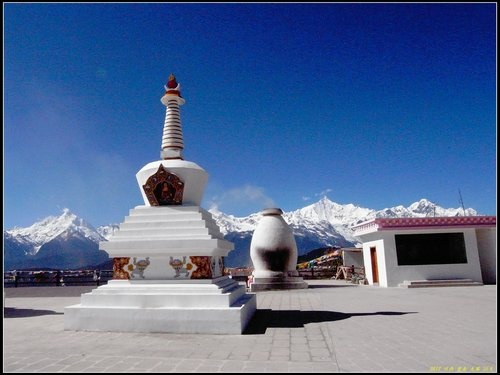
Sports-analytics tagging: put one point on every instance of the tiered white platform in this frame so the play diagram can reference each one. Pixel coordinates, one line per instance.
(167, 231)
(218, 306)
(168, 277)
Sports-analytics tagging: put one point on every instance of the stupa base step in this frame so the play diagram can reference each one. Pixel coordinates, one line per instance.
(277, 283)
(221, 320)
(438, 283)
(217, 306)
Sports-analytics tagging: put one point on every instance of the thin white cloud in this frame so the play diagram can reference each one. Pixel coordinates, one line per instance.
(323, 193)
(249, 197)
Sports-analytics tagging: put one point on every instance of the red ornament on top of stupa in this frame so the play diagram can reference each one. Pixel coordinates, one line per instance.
(172, 83)
(172, 87)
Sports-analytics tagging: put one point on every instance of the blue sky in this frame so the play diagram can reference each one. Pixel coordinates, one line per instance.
(372, 104)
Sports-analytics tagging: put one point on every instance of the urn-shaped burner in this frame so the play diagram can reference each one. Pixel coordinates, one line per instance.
(273, 251)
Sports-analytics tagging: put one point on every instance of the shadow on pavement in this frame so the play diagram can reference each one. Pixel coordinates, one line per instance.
(11, 312)
(264, 319)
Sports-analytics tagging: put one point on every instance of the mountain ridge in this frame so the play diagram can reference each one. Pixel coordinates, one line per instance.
(324, 223)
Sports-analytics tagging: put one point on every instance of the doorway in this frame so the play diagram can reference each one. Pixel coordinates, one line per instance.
(373, 256)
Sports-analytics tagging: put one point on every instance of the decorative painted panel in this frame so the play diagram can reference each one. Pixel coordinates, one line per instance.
(164, 188)
(203, 267)
(168, 268)
(137, 268)
(118, 272)
(180, 267)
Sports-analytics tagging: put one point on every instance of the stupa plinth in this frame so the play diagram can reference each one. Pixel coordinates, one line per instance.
(168, 254)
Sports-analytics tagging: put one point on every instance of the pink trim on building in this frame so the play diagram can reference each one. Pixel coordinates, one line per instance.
(426, 222)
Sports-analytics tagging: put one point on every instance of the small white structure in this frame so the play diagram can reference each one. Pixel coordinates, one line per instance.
(168, 255)
(352, 256)
(397, 251)
(273, 251)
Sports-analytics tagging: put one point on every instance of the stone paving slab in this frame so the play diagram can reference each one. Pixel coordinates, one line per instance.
(332, 326)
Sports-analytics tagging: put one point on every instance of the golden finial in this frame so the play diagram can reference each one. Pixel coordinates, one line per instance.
(172, 83)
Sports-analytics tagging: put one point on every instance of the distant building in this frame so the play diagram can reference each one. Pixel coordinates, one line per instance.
(396, 250)
(352, 256)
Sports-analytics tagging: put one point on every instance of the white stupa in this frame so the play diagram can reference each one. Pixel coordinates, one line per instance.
(168, 254)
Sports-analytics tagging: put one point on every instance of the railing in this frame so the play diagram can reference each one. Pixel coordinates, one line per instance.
(15, 279)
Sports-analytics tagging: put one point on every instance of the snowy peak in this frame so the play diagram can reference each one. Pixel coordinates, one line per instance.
(326, 210)
(424, 208)
(66, 225)
(229, 223)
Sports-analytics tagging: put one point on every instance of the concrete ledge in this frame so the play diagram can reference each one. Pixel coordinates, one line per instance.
(219, 307)
(438, 283)
(229, 320)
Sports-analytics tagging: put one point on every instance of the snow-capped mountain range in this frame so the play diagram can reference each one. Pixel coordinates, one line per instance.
(69, 241)
(66, 225)
(341, 217)
(324, 223)
(62, 242)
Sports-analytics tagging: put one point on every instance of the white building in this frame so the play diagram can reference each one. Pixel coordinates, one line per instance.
(401, 250)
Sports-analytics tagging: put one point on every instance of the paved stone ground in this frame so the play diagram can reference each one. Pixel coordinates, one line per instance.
(331, 327)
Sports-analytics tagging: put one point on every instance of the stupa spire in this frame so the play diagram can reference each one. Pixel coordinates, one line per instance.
(172, 141)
